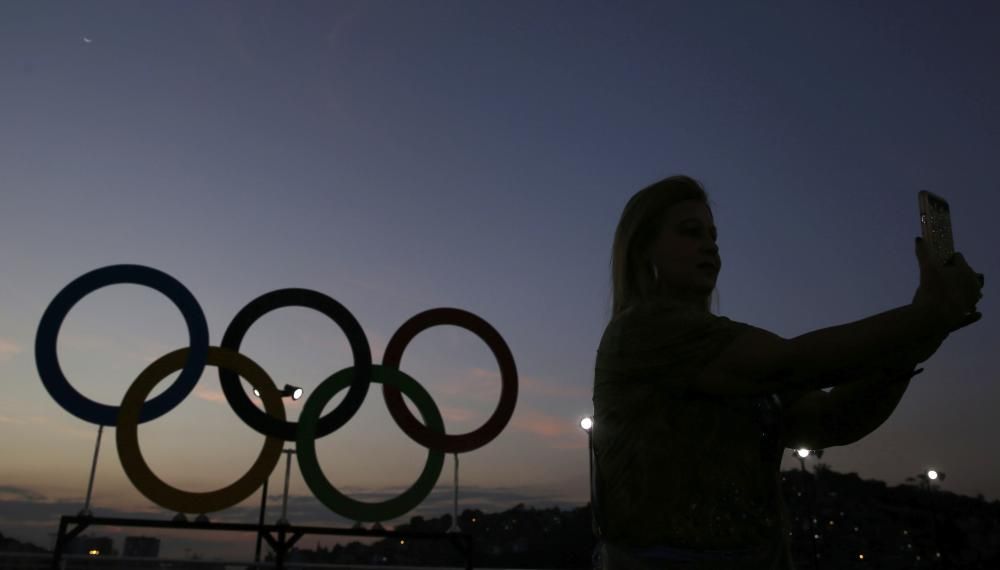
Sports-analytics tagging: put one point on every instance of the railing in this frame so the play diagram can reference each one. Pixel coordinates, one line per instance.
(42, 561)
(281, 537)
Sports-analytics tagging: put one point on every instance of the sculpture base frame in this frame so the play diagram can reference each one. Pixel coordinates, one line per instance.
(281, 541)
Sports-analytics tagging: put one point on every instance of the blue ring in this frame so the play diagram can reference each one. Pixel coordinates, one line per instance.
(47, 360)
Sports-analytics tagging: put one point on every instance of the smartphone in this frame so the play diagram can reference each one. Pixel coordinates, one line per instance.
(935, 226)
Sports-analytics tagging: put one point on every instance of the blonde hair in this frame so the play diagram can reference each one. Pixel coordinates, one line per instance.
(641, 221)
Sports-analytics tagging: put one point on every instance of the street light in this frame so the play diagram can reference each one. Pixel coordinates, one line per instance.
(925, 479)
(293, 392)
(587, 425)
(801, 455)
(289, 391)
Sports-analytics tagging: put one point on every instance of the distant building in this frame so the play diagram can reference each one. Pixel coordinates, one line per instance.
(91, 546)
(141, 547)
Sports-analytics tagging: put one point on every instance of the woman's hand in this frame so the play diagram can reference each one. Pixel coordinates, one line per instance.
(948, 293)
(922, 350)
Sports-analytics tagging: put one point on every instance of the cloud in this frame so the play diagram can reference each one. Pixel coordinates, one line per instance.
(146, 351)
(474, 383)
(532, 385)
(62, 428)
(8, 492)
(87, 342)
(31, 420)
(214, 396)
(124, 349)
(569, 443)
(9, 349)
(457, 414)
(560, 432)
(530, 421)
(482, 373)
(376, 343)
(536, 386)
(543, 425)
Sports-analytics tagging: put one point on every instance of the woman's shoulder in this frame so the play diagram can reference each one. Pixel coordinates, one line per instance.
(646, 308)
(662, 312)
(663, 322)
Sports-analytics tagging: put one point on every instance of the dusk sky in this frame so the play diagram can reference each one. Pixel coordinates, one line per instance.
(402, 156)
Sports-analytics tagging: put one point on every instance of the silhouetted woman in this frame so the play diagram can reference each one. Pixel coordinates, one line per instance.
(693, 410)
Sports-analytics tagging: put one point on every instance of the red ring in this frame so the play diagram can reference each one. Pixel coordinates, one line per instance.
(410, 425)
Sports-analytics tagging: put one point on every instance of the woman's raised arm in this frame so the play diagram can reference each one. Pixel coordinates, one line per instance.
(760, 362)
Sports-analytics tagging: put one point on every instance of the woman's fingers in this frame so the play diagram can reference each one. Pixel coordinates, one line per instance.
(952, 290)
(971, 281)
(967, 321)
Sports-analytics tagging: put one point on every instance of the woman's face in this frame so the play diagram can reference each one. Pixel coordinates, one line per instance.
(682, 251)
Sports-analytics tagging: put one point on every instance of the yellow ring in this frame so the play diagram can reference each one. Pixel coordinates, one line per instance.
(152, 486)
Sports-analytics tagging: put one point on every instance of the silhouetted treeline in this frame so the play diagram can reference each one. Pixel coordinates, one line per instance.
(519, 537)
(848, 522)
(8, 544)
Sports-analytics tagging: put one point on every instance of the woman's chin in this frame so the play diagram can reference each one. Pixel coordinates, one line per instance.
(706, 281)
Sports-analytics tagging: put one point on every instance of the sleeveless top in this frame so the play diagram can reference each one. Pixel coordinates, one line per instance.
(681, 473)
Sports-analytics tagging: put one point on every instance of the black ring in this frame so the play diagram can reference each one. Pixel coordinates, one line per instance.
(259, 420)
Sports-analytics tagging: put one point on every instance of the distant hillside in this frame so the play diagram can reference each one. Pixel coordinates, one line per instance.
(11, 545)
(845, 520)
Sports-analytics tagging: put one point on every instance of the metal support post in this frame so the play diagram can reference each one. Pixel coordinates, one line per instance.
(93, 470)
(260, 522)
(284, 501)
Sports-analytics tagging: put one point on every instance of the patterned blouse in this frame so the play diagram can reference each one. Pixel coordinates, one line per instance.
(676, 468)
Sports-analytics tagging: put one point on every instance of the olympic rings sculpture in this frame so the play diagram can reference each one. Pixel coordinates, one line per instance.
(271, 423)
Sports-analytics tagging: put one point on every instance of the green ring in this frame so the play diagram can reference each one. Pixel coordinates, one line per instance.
(323, 490)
